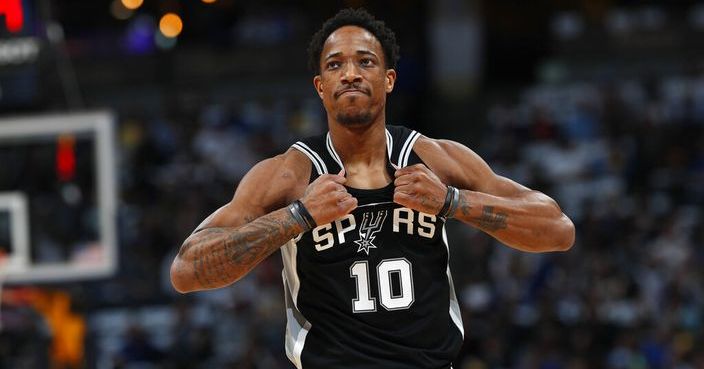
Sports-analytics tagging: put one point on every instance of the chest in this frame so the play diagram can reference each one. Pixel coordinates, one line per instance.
(365, 177)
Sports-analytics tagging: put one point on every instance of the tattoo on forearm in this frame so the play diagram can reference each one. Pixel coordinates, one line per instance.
(209, 268)
(491, 221)
(464, 205)
(222, 254)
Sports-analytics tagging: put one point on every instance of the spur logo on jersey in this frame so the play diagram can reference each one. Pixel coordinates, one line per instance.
(404, 220)
(371, 225)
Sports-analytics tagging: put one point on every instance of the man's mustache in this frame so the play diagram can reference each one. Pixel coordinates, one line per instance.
(351, 89)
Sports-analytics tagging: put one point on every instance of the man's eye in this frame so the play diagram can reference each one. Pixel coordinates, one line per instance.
(333, 64)
(366, 62)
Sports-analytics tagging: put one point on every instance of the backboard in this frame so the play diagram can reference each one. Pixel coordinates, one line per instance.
(58, 197)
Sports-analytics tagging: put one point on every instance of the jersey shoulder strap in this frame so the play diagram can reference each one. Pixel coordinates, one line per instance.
(314, 148)
(401, 148)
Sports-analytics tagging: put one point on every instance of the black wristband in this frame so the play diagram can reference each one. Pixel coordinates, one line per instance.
(452, 199)
(310, 221)
(298, 217)
(454, 204)
(448, 201)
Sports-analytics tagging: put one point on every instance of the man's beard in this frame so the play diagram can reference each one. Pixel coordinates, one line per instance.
(355, 119)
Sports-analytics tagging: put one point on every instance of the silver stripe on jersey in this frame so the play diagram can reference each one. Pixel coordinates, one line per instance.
(297, 326)
(313, 156)
(406, 149)
(288, 253)
(455, 314)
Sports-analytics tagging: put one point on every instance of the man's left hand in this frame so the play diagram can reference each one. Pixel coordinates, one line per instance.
(418, 188)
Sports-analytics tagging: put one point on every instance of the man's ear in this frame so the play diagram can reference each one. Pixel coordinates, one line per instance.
(390, 80)
(318, 84)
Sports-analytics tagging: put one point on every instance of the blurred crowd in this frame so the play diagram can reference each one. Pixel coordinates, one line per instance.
(625, 159)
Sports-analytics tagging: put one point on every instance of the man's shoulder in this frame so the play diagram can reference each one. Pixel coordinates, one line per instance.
(276, 181)
(440, 155)
(288, 168)
(428, 148)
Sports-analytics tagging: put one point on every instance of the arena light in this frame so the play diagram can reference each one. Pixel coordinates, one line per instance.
(66, 157)
(170, 25)
(132, 4)
(119, 11)
(208, 1)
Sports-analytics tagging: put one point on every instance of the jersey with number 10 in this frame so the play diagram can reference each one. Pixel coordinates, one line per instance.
(373, 288)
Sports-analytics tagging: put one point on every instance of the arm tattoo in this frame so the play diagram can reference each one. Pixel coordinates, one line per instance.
(220, 256)
(464, 205)
(491, 221)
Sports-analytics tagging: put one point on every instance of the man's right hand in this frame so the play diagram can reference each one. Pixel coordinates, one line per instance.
(327, 199)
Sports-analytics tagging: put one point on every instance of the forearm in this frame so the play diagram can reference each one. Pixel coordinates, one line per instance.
(217, 257)
(532, 222)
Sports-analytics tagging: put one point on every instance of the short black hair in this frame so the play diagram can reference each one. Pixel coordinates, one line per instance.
(354, 17)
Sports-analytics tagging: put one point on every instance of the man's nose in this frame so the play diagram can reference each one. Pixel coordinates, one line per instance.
(350, 73)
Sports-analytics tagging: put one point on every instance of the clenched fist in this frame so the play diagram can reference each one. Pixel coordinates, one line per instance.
(327, 199)
(418, 188)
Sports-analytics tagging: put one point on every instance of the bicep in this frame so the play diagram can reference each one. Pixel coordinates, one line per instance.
(231, 214)
(467, 170)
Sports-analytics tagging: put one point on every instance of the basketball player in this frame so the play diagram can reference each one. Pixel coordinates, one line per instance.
(359, 215)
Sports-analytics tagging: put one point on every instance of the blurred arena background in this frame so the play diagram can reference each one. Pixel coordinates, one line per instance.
(123, 123)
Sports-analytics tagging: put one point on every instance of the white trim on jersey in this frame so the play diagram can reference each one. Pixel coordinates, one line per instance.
(313, 156)
(376, 203)
(331, 150)
(406, 149)
(335, 156)
(412, 141)
(455, 313)
(389, 144)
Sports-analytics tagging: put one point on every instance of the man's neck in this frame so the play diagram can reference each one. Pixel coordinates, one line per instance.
(363, 153)
(359, 145)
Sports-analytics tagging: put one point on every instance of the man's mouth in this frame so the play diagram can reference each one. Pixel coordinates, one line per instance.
(350, 91)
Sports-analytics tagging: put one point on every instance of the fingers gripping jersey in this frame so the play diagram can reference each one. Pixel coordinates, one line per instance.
(371, 289)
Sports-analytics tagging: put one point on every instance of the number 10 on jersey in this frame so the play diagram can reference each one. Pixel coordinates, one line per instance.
(387, 271)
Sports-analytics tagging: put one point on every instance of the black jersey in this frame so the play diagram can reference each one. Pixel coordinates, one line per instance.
(371, 289)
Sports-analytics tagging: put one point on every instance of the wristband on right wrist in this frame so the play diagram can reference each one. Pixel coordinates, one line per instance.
(302, 216)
